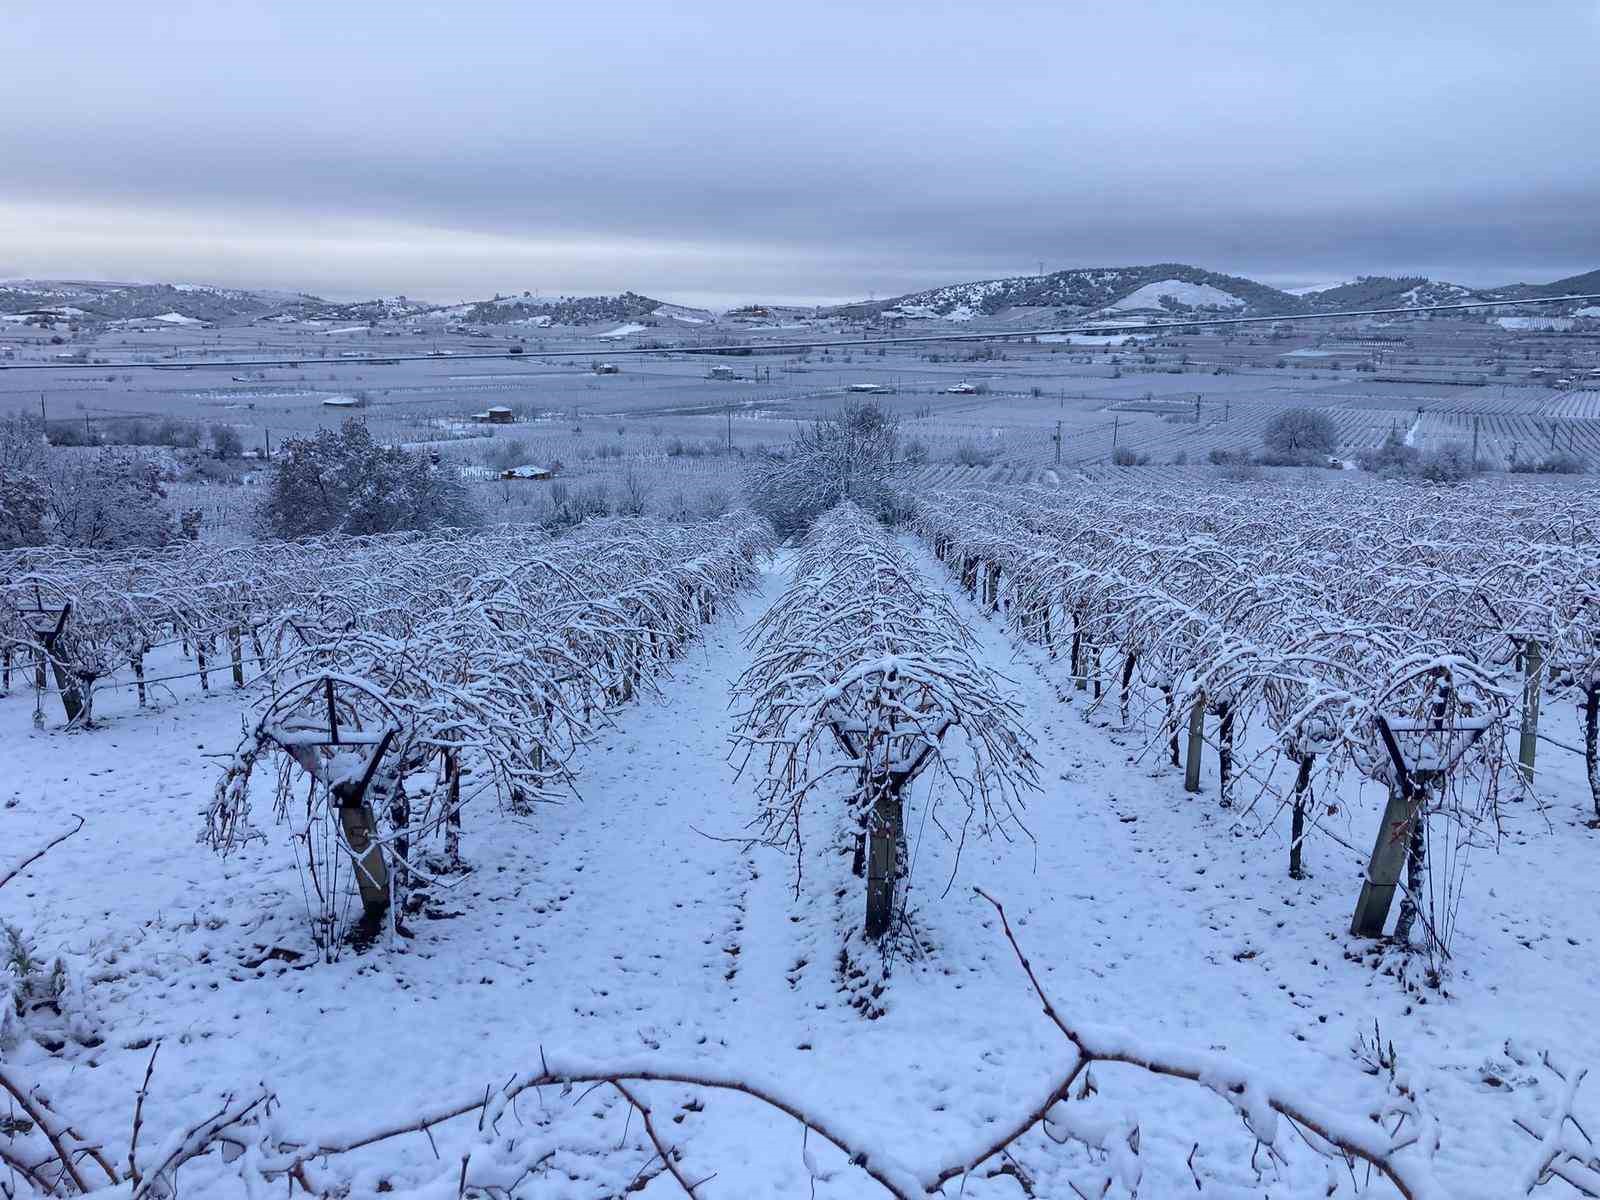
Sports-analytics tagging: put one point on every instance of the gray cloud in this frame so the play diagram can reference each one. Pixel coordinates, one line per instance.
(732, 150)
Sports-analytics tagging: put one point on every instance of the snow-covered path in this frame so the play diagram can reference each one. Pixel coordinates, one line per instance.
(622, 925)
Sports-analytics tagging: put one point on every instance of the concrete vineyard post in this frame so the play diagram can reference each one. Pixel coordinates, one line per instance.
(1197, 729)
(1383, 868)
(236, 652)
(1533, 657)
(1390, 849)
(372, 873)
(1297, 829)
(883, 839)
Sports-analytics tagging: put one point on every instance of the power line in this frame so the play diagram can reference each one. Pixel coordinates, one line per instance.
(771, 347)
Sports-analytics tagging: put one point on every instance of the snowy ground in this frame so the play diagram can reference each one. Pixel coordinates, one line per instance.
(620, 926)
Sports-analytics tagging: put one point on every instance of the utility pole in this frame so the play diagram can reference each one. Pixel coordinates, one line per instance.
(268, 432)
(1197, 408)
(41, 409)
(1475, 439)
(1058, 443)
(730, 427)
(1115, 422)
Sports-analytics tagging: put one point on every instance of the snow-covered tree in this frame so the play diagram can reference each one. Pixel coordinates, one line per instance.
(345, 482)
(848, 454)
(1301, 435)
(112, 501)
(24, 503)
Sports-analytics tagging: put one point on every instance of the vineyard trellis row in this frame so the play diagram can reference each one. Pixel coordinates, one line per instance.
(864, 655)
(413, 672)
(1406, 634)
(405, 675)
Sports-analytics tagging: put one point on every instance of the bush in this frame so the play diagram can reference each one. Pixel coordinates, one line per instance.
(1217, 456)
(970, 454)
(1122, 456)
(1393, 457)
(1450, 463)
(226, 442)
(1561, 462)
(1300, 435)
(1243, 469)
(345, 482)
(180, 434)
(507, 453)
(714, 503)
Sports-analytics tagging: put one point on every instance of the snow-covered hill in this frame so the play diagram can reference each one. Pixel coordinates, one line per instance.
(109, 301)
(1162, 287)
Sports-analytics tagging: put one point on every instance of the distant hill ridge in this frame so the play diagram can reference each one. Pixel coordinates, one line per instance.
(1177, 289)
(1184, 290)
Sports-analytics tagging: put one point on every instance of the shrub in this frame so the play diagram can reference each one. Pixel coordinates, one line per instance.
(970, 454)
(226, 442)
(1243, 468)
(1393, 457)
(714, 503)
(180, 434)
(507, 453)
(1561, 462)
(1450, 463)
(1122, 456)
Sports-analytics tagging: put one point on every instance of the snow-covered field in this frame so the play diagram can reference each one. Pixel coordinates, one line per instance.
(639, 927)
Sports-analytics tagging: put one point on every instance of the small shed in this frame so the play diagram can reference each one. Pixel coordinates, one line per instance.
(497, 414)
(607, 369)
(341, 402)
(527, 472)
(721, 373)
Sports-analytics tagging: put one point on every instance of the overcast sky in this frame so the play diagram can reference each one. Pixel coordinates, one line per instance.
(716, 152)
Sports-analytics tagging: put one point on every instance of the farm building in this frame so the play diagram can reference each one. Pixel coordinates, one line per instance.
(527, 472)
(341, 402)
(607, 369)
(721, 373)
(497, 414)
